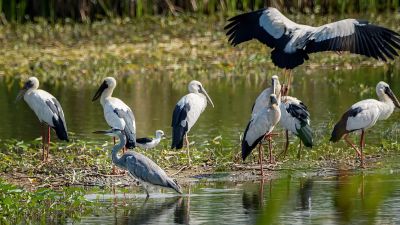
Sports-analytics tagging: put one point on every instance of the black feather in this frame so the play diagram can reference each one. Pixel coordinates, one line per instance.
(340, 128)
(60, 126)
(179, 131)
(144, 140)
(246, 148)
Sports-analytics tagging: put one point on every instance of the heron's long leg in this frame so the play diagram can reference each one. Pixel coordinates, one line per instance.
(362, 147)
(187, 150)
(260, 159)
(300, 148)
(346, 138)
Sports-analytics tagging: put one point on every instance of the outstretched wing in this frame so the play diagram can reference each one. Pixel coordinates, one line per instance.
(268, 26)
(355, 36)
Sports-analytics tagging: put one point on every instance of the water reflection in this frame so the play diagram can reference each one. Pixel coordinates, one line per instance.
(342, 199)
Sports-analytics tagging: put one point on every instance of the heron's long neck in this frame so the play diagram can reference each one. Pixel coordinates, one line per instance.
(106, 94)
(117, 160)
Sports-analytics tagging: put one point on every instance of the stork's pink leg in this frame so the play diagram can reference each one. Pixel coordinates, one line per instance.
(260, 159)
(271, 157)
(362, 142)
(48, 143)
(43, 143)
(346, 138)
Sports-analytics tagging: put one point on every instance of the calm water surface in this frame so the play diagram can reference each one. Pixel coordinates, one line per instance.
(340, 199)
(327, 93)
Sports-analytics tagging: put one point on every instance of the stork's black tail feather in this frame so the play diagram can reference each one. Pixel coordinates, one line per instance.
(305, 135)
(60, 129)
(178, 133)
(286, 60)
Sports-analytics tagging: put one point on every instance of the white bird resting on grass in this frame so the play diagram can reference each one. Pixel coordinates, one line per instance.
(139, 166)
(292, 42)
(148, 143)
(364, 115)
(186, 113)
(47, 109)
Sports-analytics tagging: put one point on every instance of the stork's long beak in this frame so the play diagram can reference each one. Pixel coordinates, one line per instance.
(391, 95)
(21, 94)
(274, 86)
(208, 97)
(102, 87)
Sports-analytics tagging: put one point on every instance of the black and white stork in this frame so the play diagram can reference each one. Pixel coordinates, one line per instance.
(363, 115)
(292, 42)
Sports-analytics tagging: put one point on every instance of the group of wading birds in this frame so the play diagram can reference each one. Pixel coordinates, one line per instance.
(291, 45)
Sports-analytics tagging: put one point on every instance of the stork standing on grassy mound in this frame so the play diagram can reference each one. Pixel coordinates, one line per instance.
(47, 109)
(186, 113)
(363, 115)
(292, 42)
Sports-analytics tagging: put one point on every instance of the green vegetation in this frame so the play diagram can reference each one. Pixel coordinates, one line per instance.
(86, 11)
(18, 206)
(148, 47)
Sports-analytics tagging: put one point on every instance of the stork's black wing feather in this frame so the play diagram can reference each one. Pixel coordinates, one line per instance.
(58, 119)
(366, 39)
(127, 116)
(179, 125)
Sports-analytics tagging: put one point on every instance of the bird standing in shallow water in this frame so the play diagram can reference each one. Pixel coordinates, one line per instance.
(296, 119)
(148, 143)
(186, 113)
(260, 126)
(363, 115)
(117, 114)
(139, 166)
(47, 109)
(292, 42)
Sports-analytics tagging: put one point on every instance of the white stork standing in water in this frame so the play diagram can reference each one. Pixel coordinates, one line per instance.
(260, 126)
(148, 143)
(47, 109)
(117, 114)
(296, 119)
(292, 42)
(363, 115)
(186, 113)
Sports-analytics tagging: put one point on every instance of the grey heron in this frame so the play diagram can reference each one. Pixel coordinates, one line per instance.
(260, 126)
(186, 113)
(296, 119)
(148, 143)
(139, 166)
(292, 42)
(47, 109)
(117, 114)
(363, 115)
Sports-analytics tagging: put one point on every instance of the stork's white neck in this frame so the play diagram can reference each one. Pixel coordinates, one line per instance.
(107, 93)
(386, 107)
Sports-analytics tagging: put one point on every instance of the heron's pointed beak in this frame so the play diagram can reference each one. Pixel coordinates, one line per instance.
(21, 94)
(102, 87)
(208, 97)
(391, 95)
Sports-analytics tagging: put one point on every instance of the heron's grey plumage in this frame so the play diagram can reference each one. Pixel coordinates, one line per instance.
(292, 42)
(140, 166)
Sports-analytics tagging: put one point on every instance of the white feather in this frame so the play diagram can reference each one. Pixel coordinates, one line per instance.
(198, 104)
(112, 119)
(36, 99)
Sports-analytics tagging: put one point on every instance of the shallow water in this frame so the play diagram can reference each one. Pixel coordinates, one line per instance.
(340, 199)
(327, 93)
